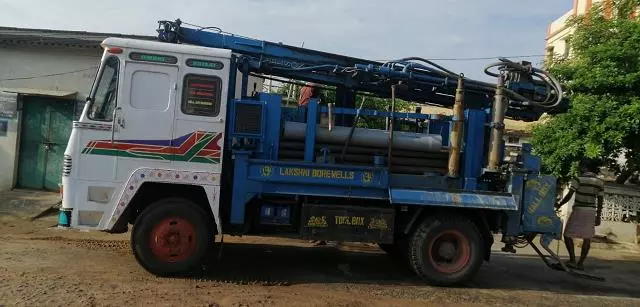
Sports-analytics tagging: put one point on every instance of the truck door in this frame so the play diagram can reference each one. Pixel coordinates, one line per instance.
(201, 112)
(144, 118)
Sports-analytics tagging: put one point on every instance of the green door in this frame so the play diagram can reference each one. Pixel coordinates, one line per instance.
(46, 126)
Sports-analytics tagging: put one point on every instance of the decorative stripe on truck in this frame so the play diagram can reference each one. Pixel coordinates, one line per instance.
(210, 182)
(199, 146)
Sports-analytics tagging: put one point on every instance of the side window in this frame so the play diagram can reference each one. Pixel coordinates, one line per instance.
(201, 95)
(103, 101)
(150, 90)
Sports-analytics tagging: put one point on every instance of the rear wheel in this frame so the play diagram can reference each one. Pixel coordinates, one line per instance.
(446, 250)
(171, 237)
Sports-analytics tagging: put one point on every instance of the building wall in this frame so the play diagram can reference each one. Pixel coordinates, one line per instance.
(620, 214)
(8, 156)
(32, 63)
(22, 61)
(558, 31)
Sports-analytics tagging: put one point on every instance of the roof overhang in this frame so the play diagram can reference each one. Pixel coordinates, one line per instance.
(41, 92)
(58, 38)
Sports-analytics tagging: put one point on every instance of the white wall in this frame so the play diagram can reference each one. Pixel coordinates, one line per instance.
(619, 231)
(35, 62)
(32, 61)
(8, 155)
(558, 31)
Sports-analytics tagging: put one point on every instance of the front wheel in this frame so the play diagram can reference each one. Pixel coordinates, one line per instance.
(171, 237)
(446, 250)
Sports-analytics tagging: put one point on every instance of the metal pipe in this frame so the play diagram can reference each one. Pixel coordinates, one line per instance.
(497, 126)
(353, 127)
(418, 111)
(366, 137)
(330, 112)
(386, 122)
(456, 131)
(392, 118)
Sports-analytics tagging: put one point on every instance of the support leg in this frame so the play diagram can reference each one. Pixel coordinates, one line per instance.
(553, 261)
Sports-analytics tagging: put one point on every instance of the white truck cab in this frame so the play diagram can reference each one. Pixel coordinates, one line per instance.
(155, 115)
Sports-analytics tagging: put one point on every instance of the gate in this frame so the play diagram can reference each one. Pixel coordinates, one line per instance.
(46, 126)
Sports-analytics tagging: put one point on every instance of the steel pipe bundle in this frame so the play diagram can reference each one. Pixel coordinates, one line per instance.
(366, 137)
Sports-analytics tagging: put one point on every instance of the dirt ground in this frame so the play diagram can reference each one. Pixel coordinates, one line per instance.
(41, 265)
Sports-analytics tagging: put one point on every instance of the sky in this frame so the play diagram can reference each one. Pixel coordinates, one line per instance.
(371, 29)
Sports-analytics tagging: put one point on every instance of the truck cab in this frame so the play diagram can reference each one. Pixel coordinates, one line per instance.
(153, 106)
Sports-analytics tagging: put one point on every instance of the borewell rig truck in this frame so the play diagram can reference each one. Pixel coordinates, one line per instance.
(178, 140)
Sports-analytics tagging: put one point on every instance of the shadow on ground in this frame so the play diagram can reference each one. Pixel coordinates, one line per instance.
(26, 203)
(529, 273)
(283, 265)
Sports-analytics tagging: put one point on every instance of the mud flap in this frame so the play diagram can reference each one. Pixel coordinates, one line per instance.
(553, 261)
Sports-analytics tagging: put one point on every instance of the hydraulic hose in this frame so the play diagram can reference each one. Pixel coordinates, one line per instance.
(554, 83)
(545, 77)
(439, 70)
(450, 73)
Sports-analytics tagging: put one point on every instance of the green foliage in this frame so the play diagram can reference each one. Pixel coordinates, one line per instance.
(379, 104)
(602, 79)
(327, 95)
(289, 89)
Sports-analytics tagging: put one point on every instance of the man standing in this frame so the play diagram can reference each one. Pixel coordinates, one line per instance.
(308, 91)
(584, 216)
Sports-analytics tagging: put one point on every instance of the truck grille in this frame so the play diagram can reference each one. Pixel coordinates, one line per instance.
(66, 166)
(248, 119)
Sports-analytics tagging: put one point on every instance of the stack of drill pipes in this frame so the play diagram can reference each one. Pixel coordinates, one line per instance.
(367, 137)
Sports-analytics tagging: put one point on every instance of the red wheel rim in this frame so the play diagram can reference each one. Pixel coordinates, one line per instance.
(449, 252)
(173, 240)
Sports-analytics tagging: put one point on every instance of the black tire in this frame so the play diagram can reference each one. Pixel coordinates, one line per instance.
(172, 237)
(446, 250)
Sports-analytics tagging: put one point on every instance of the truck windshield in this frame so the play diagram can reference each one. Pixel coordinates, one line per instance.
(103, 100)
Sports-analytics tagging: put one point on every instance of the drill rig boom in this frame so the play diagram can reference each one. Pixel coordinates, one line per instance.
(531, 92)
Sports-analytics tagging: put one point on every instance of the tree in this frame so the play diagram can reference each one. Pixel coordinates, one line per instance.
(602, 80)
